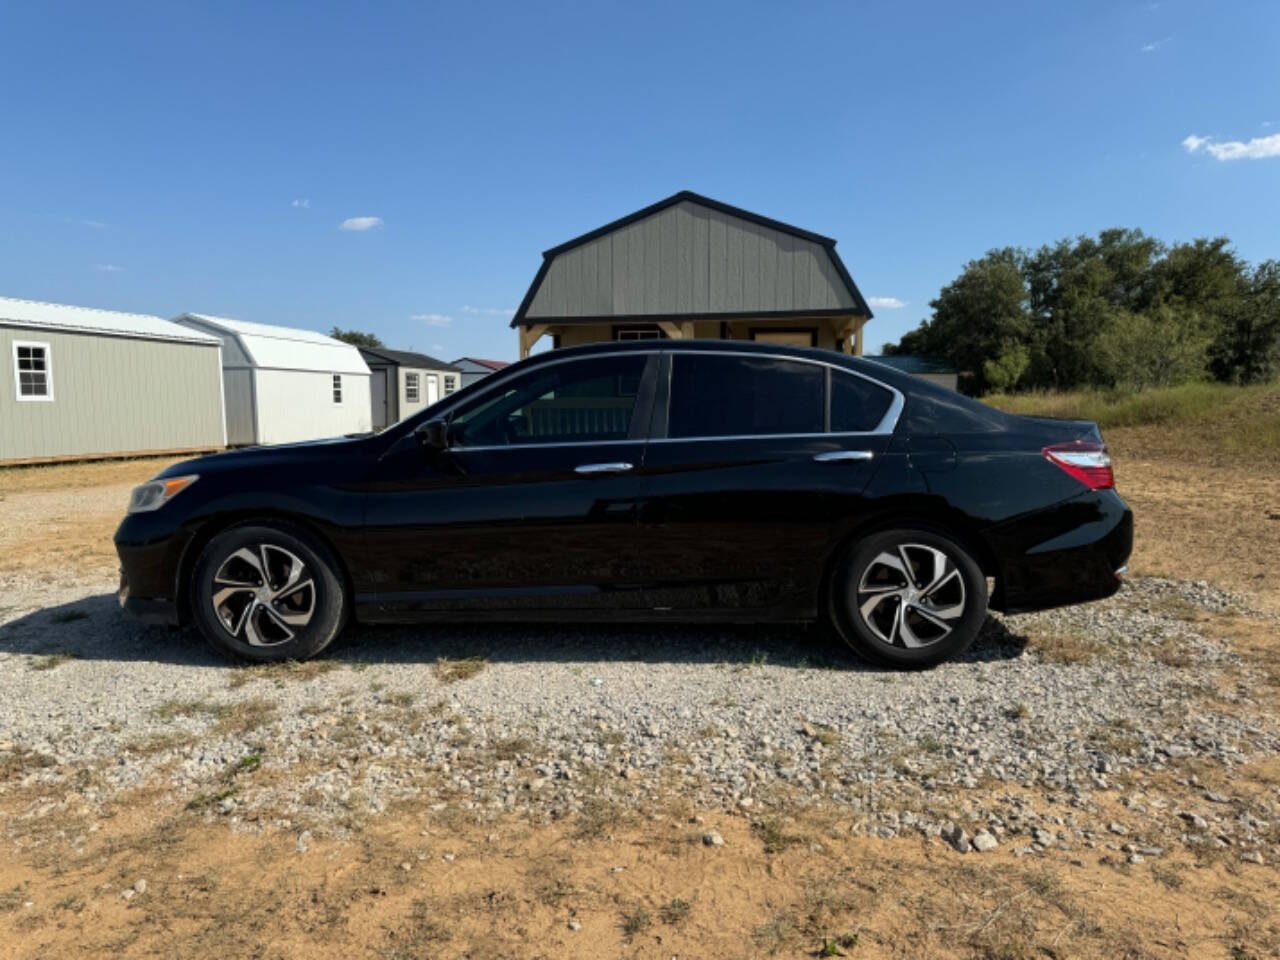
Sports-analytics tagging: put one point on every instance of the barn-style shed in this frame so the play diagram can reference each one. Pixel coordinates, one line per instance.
(283, 384)
(81, 383)
(689, 266)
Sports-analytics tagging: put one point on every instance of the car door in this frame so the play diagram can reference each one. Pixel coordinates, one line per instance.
(754, 473)
(532, 504)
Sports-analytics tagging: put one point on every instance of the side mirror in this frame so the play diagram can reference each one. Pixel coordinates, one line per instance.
(434, 434)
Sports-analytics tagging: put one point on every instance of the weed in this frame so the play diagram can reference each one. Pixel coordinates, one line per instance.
(674, 911)
(772, 836)
(635, 922)
(511, 748)
(931, 744)
(51, 660)
(453, 671)
(835, 946)
(300, 670)
(12, 899)
(773, 933)
(207, 800)
(400, 698)
(249, 763)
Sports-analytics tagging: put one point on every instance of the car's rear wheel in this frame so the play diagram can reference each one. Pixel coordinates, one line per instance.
(908, 598)
(267, 593)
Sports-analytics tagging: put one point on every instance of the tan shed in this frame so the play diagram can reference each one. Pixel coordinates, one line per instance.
(80, 383)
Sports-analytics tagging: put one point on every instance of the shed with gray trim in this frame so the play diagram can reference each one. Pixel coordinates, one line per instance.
(689, 266)
(82, 384)
(402, 382)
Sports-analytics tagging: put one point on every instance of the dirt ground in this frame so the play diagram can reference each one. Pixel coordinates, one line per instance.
(423, 883)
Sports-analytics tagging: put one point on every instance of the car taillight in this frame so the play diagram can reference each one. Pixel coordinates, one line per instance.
(1087, 462)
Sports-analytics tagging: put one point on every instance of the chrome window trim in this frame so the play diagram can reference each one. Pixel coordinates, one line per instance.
(888, 423)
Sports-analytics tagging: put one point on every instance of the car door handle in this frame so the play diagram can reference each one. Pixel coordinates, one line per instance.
(589, 468)
(843, 456)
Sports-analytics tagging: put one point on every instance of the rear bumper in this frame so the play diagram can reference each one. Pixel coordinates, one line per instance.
(1071, 552)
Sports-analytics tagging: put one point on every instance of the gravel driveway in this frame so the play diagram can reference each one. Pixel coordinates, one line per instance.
(554, 721)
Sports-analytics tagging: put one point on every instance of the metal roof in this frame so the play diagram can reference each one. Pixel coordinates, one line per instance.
(481, 362)
(60, 317)
(909, 363)
(404, 358)
(283, 348)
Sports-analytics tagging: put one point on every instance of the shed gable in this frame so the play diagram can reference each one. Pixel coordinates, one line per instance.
(690, 256)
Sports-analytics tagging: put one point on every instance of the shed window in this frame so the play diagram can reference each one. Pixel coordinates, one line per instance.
(33, 370)
(411, 387)
(337, 388)
(449, 384)
(640, 331)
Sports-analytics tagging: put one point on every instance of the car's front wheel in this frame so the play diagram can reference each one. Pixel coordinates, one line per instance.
(267, 593)
(908, 598)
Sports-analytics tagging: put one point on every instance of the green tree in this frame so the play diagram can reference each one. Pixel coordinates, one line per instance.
(356, 338)
(1161, 348)
(1247, 349)
(977, 317)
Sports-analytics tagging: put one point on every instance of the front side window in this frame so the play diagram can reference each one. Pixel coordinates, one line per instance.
(337, 388)
(640, 331)
(580, 401)
(33, 370)
(411, 387)
(717, 395)
(449, 384)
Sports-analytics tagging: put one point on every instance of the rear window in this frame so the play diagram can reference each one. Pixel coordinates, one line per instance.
(715, 395)
(857, 405)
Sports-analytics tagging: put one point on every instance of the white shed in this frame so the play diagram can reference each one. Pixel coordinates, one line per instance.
(283, 385)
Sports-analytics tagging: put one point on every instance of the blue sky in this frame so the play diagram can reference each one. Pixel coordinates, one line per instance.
(184, 156)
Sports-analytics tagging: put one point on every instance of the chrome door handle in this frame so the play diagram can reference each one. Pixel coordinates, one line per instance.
(602, 468)
(843, 456)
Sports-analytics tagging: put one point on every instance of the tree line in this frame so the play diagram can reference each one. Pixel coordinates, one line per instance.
(1122, 310)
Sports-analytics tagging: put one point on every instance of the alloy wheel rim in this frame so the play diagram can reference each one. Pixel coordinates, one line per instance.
(911, 595)
(263, 595)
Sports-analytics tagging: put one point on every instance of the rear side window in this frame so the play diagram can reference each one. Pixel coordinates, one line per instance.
(714, 395)
(857, 405)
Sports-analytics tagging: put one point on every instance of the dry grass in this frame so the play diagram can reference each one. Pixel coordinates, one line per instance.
(454, 671)
(291, 671)
(55, 478)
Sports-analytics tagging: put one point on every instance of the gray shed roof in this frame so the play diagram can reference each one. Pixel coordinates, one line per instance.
(404, 358)
(690, 256)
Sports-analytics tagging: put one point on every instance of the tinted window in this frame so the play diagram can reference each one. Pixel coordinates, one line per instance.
(857, 405)
(578, 401)
(714, 395)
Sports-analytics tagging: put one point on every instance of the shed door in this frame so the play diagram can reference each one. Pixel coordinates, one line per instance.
(378, 392)
(433, 388)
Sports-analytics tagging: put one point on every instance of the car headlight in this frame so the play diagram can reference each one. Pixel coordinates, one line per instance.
(156, 493)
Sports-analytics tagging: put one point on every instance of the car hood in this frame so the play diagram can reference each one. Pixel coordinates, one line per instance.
(276, 455)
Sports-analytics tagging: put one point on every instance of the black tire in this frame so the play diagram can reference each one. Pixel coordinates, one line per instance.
(917, 639)
(289, 621)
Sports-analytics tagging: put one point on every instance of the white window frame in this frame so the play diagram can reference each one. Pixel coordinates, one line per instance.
(48, 372)
(337, 390)
(450, 384)
(411, 380)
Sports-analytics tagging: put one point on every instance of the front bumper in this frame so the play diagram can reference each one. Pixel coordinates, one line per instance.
(151, 554)
(1071, 552)
(147, 609)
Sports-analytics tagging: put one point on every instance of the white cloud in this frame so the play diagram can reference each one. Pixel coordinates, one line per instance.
(437, 347)
(433, 319)
(1155, 45)
(302, 202)
(94, 224)
(1256, 149)
(489, 311)
(107, 268)
(360, 224)
(887, 303)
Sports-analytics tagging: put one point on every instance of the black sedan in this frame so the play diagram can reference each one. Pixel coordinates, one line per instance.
(667, 481)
